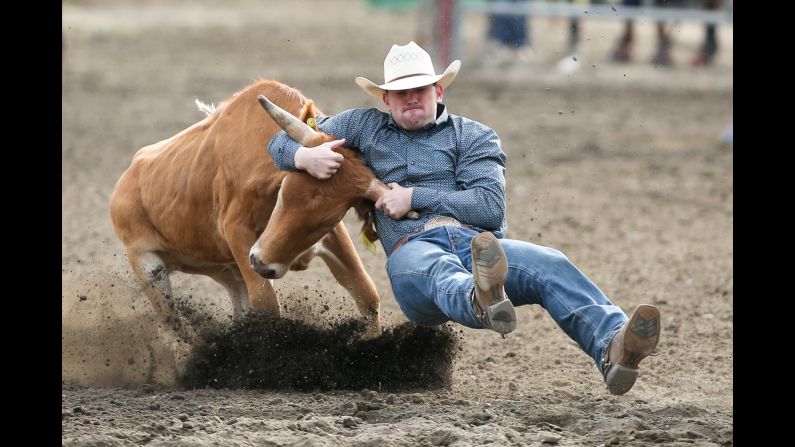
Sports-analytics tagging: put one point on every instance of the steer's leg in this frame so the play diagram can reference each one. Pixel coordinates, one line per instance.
(303, 260)
(261, 293)
(340, 255)
(151, 272)
(237, 290)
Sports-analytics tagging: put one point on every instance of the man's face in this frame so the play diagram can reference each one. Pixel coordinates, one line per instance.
(414, 108)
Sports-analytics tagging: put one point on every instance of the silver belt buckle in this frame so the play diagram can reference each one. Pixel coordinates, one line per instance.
(441, 221)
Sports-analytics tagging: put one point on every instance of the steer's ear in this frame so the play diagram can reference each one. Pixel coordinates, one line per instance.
(309, 114)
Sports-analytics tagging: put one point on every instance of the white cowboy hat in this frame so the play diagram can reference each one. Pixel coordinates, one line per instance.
(406, 67)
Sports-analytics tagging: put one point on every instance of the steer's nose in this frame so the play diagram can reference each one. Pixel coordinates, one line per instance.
(260, 268)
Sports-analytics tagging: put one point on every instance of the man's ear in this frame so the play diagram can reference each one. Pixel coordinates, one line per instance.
(385, 98)
(439, 93)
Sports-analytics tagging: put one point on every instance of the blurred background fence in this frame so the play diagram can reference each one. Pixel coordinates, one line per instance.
(440, 21)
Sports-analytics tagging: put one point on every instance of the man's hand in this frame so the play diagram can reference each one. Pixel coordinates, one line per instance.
(320, 161)
(396, 202)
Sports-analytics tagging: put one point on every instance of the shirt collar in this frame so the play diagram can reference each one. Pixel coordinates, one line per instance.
(441, 118)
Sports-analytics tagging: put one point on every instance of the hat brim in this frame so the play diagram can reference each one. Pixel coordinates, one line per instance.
(377, 91)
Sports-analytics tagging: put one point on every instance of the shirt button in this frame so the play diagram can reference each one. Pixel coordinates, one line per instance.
(412, 162)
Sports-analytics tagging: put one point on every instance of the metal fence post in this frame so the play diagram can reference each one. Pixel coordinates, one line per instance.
(446, 26)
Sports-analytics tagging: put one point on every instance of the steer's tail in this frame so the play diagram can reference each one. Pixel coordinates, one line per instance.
(208, 109)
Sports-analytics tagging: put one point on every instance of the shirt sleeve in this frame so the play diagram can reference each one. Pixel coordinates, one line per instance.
(282, 148)
(480, 174)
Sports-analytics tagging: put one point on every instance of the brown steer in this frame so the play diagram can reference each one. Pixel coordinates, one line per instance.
(196, 203)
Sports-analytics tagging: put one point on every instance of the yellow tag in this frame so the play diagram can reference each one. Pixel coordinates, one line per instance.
(368, 244)
(311, 122)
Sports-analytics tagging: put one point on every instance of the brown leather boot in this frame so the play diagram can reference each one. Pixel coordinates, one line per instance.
(489, 269)
(634, 342)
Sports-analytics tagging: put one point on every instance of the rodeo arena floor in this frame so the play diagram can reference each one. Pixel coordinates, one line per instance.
(625, 168)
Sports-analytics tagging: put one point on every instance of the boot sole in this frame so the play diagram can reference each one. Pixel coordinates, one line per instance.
(642, 336)
(639, 341)
(491, 266)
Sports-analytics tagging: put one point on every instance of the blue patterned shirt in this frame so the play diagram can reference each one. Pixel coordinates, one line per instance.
(455, 165)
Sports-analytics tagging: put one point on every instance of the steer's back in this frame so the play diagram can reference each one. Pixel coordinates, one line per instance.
(179, 194)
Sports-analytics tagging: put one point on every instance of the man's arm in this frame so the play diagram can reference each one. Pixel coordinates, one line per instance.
(320, 161)
(396, 202)
(480, 172)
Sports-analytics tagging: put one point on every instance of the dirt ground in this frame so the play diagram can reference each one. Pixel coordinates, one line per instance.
(621, 167)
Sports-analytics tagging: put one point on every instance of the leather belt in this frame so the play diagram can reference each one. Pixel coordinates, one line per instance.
(436, 222)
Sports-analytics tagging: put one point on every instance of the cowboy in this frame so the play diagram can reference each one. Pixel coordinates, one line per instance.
(453, 262)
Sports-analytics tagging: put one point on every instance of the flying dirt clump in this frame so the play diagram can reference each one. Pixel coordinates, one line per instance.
(266, 352)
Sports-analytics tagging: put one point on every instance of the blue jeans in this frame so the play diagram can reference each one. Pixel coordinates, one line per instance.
(431, 277)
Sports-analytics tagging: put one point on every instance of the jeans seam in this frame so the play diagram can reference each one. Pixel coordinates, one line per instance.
(409, 272)
(555, 295)
(449, 293)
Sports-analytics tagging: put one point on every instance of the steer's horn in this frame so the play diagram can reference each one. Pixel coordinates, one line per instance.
(296, 129)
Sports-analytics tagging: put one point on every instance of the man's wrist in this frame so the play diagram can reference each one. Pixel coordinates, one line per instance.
(298, 158)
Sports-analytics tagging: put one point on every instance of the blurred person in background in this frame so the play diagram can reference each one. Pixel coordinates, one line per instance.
(662, 55)
(706, 53)
(508, 40)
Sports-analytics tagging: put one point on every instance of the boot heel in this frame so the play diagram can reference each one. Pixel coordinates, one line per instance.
(502, 316)
(620, 379)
